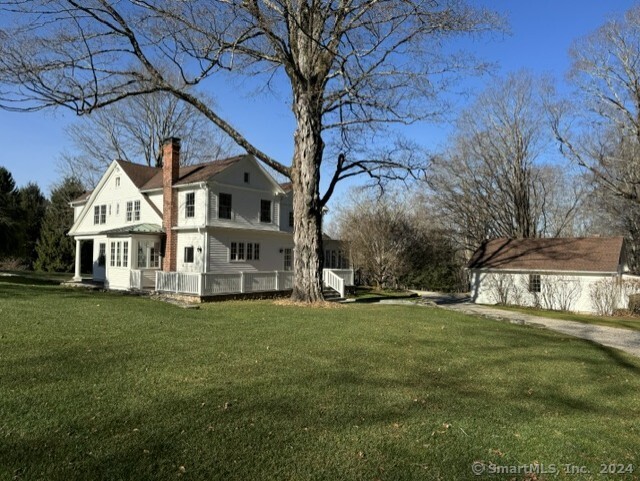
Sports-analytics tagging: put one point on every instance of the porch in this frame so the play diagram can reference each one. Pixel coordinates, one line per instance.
(212, 284)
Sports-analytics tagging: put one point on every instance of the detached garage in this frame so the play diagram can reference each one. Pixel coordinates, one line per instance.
(586, 274)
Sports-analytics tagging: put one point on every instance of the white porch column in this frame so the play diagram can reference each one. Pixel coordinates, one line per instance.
(77, 277)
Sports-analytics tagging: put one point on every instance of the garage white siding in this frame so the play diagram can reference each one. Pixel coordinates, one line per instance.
(558, 290)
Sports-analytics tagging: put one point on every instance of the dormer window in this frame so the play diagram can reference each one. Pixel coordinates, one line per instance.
(246, 177)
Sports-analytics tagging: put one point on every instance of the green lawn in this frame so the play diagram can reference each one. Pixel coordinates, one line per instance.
(100, 386)
(622, 322)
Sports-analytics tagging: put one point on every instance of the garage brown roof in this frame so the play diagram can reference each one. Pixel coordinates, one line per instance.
(588, 254)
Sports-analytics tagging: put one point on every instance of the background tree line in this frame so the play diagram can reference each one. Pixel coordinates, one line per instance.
(33, 228)
(522, 162)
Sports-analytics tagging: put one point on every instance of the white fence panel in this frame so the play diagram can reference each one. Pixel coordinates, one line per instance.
(135, 279)
(209, 284)
(285, 281)
(166, 281)
(260, 281)
(221, 284)
(188, 283)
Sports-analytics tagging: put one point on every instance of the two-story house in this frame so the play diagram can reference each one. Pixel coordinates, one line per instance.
(220, 227)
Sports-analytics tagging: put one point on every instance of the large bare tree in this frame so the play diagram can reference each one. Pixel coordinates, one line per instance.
(599, 128)
(351, 68)
(134, 129)
(492, 181)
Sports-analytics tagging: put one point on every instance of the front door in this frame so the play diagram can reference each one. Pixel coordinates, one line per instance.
(99, 262)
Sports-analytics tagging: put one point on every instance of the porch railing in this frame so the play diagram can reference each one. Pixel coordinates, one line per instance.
(333, 280)
(211, 284)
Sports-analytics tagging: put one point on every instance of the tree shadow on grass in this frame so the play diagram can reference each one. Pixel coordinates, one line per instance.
(358, 409)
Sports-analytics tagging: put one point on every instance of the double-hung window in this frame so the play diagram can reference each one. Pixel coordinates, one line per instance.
(265, 211)
(534, 283)
(236, 253)
(129, 211)
(190, 205)
(188, 255)
(100, 214)
(224, 206)
(136, 210)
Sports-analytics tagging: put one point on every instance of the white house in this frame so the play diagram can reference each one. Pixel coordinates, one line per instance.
(572, 274)
(215, 228)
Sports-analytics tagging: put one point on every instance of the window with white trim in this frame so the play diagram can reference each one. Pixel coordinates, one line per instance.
(136, 210)
(112, 261)
(224, 206)
(129, 211)
(190, 205)
(534, 283)
(118, 257)
(265, 211)
(237, 251)
(188, 255)
(100, 214)
(288, 259)
(125, 254)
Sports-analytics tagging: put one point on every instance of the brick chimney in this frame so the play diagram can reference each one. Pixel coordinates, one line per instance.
(170, 169)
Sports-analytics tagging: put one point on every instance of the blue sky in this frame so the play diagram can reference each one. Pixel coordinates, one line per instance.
(541, 33)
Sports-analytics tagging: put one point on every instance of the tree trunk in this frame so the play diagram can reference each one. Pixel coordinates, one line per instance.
(307, 210)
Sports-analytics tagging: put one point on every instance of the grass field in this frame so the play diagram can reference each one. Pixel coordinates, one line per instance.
(632, 323)
(101, 386)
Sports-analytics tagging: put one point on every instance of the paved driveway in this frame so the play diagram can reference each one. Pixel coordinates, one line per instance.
(623, 339)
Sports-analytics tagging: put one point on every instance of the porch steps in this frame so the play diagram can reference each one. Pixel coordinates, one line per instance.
(331, 295)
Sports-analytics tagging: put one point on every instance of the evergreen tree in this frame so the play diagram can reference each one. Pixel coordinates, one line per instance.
(32, 204)
(55, 249)
(9, 215)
